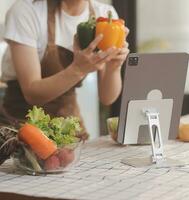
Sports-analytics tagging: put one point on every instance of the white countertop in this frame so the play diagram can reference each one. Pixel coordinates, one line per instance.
(101, 175)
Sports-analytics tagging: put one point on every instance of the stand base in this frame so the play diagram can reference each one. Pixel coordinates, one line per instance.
(147, 162)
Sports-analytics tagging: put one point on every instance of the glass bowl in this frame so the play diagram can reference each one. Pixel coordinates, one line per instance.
(112, 125)
(62, 160)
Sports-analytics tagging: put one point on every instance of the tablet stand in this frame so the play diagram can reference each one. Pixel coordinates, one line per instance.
(155, 132)
(156, 114)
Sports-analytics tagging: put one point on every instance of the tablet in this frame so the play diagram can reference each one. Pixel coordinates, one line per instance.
(145, 73)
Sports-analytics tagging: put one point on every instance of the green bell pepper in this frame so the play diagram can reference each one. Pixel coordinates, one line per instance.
(86, 32)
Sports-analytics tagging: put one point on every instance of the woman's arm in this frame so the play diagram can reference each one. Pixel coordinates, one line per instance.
(38, 90)
(110, 83)
(28, 69)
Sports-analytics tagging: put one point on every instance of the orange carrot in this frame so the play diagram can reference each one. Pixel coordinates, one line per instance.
(38, 142)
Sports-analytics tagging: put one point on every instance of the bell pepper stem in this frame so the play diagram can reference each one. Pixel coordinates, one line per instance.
(92, 19)
(110, 16)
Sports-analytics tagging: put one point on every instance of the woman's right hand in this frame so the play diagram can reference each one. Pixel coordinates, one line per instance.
(87, 60)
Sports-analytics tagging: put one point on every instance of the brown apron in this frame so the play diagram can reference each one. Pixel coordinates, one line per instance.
(55, 59)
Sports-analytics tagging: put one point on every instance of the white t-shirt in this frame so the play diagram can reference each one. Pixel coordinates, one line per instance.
(26, 23)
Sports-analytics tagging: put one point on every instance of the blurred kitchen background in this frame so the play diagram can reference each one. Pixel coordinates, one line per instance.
(155, 26)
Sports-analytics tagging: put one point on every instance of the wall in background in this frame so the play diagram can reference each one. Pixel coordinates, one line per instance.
(163, 26)
(4, 6)
(166, 20)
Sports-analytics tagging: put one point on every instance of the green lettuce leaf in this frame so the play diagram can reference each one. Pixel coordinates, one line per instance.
(61, 130)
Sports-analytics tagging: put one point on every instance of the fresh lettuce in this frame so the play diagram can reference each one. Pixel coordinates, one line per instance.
(61, 130)
(37, 117)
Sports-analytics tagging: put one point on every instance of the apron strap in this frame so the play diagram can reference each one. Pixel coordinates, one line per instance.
(51, 20)
(91, 9)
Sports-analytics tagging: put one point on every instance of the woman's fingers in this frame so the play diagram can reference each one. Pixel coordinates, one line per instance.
(113, 52)
(124, 51)
(126, 45)
(103, 55)
(122, 56)
(127, 31)
(93, 45)
(98, 56)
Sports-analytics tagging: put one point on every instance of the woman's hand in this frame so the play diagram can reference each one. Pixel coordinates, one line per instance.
(110, 76)
(118, 59)
(87, 60)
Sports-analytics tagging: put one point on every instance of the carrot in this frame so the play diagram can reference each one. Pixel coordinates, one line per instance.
(38, 142)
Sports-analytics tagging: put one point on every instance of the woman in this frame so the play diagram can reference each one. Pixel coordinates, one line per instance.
(43, 68)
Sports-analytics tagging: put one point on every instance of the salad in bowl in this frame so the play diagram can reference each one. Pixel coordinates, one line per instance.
(42, 144)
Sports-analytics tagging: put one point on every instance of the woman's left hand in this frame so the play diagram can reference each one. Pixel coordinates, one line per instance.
(120, 56)
(110, 76)
(117, 61)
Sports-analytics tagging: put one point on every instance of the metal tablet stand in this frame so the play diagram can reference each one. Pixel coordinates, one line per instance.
(155, 132)
(156, 114)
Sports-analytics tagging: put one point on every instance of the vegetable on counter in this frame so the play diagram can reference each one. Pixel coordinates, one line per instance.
(32, 158)
(9, 143)
(86, 32)
(42, 143)
(52, 163)
(112, 125)
(184, 133)
(113, 32)
(38, 142)
(47, 137)
(60, 130)
(66, 156)
(62, 158)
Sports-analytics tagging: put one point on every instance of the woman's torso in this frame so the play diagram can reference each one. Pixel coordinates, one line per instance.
(26, 23)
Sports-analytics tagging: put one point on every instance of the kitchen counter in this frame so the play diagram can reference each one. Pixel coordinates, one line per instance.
(101, 175)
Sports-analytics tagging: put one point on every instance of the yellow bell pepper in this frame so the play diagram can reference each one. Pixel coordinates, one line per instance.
(113, 32)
